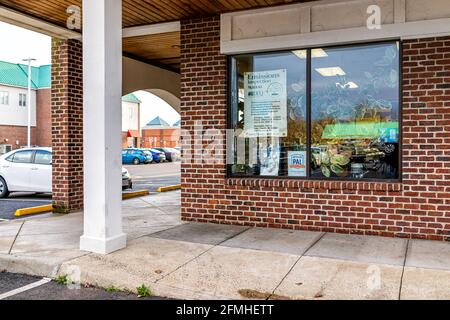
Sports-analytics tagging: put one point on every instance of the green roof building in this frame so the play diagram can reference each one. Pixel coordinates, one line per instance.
(13, 103)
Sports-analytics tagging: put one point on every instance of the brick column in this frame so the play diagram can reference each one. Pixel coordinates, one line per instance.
(67, 125)
(203, 104)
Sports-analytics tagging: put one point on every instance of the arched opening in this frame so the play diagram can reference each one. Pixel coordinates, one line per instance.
(151, 124)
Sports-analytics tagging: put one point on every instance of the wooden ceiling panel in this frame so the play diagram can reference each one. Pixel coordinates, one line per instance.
(163, 48)
(141, 12)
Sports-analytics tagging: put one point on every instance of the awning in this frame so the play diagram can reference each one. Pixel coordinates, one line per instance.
(134, 134)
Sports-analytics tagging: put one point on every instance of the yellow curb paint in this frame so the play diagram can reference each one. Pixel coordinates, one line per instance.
(129, 195)
(33, 210)
(169, 188)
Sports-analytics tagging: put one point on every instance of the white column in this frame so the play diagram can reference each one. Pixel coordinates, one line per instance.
(102, 91)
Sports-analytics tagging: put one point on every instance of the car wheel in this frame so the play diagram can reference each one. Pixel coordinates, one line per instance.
(136, 161)
(3, 188)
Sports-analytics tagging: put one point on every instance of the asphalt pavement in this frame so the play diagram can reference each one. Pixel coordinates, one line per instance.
(145, 177)
(155, 175)
(24, 287)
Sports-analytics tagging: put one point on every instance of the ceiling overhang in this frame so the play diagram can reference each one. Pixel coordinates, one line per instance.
(151, 30)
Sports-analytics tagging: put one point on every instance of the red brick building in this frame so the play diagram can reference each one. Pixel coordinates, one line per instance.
(13, 100)
(13, 123)
(338, 112)
(158, 133)
(413, 204)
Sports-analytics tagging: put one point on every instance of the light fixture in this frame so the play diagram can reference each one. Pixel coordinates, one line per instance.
(331, 72)
(352, 85)
(315, 53)
(348, 85)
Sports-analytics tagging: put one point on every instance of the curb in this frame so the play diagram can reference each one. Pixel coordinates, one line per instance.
(33, 266)
(135, 194)
(33, 210)
(169, 188)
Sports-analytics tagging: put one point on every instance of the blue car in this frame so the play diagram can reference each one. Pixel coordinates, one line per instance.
(158, 156)
(136, 156)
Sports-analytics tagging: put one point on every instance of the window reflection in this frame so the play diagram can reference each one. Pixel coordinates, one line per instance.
(354, 113)
(355, 108)
(269, 117)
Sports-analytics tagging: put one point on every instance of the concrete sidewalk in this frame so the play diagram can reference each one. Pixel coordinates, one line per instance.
(198, 261)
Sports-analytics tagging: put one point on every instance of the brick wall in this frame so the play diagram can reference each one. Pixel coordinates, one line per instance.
(419, 207)
(16, 136)
(67, 125)
(40, 134)
(160, 138)
(43, 118)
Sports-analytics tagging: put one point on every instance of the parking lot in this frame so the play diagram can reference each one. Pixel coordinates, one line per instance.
(145, 177)
(154, 176)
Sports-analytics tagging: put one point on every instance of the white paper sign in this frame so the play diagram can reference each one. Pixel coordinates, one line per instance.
(265, 104)
(269, 157)
(297, 163)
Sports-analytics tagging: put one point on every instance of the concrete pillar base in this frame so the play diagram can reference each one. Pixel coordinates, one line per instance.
(103, 245)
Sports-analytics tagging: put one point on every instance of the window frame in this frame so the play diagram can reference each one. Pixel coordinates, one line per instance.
(5, 96)
(22, 151)
(23, 103)
(309, 177)
(36, 152)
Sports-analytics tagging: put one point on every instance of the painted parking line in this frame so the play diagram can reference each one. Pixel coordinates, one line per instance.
(24, 288)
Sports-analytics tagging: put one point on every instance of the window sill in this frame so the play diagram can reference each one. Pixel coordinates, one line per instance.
(317, 184)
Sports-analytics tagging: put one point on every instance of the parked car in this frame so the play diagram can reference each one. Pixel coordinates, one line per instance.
(172, 155)
(158, 156)
(127, 182)
(30, 170)
(136, 156)
(26, 170)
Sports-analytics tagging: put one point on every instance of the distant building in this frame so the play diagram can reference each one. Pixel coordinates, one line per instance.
(158, 133)
(14, 111)
(13, 105)
(131, 119)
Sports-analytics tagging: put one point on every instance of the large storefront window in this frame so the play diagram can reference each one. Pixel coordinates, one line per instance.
(329, 113)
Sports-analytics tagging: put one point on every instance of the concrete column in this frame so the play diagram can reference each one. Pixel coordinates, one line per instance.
(102, 90)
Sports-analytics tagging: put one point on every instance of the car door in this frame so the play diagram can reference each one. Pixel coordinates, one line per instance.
(17, 169)
(126, 157)
(41, 172)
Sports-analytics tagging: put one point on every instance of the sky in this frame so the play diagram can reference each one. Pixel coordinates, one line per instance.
(24, 44)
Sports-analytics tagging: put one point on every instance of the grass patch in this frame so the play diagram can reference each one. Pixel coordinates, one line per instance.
(112, 289)
(143, 291)
(63, 280)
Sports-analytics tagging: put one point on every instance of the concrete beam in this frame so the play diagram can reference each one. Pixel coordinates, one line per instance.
(38, 25)
(29, 22)
(146, 30)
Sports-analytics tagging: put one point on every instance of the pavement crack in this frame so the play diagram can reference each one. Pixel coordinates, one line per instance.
(15, 238)
(293, 266)
(201, 254)
(403, 270)
(155, 206)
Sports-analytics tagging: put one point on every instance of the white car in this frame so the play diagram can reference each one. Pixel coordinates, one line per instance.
(26, 170)
(30, 170)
